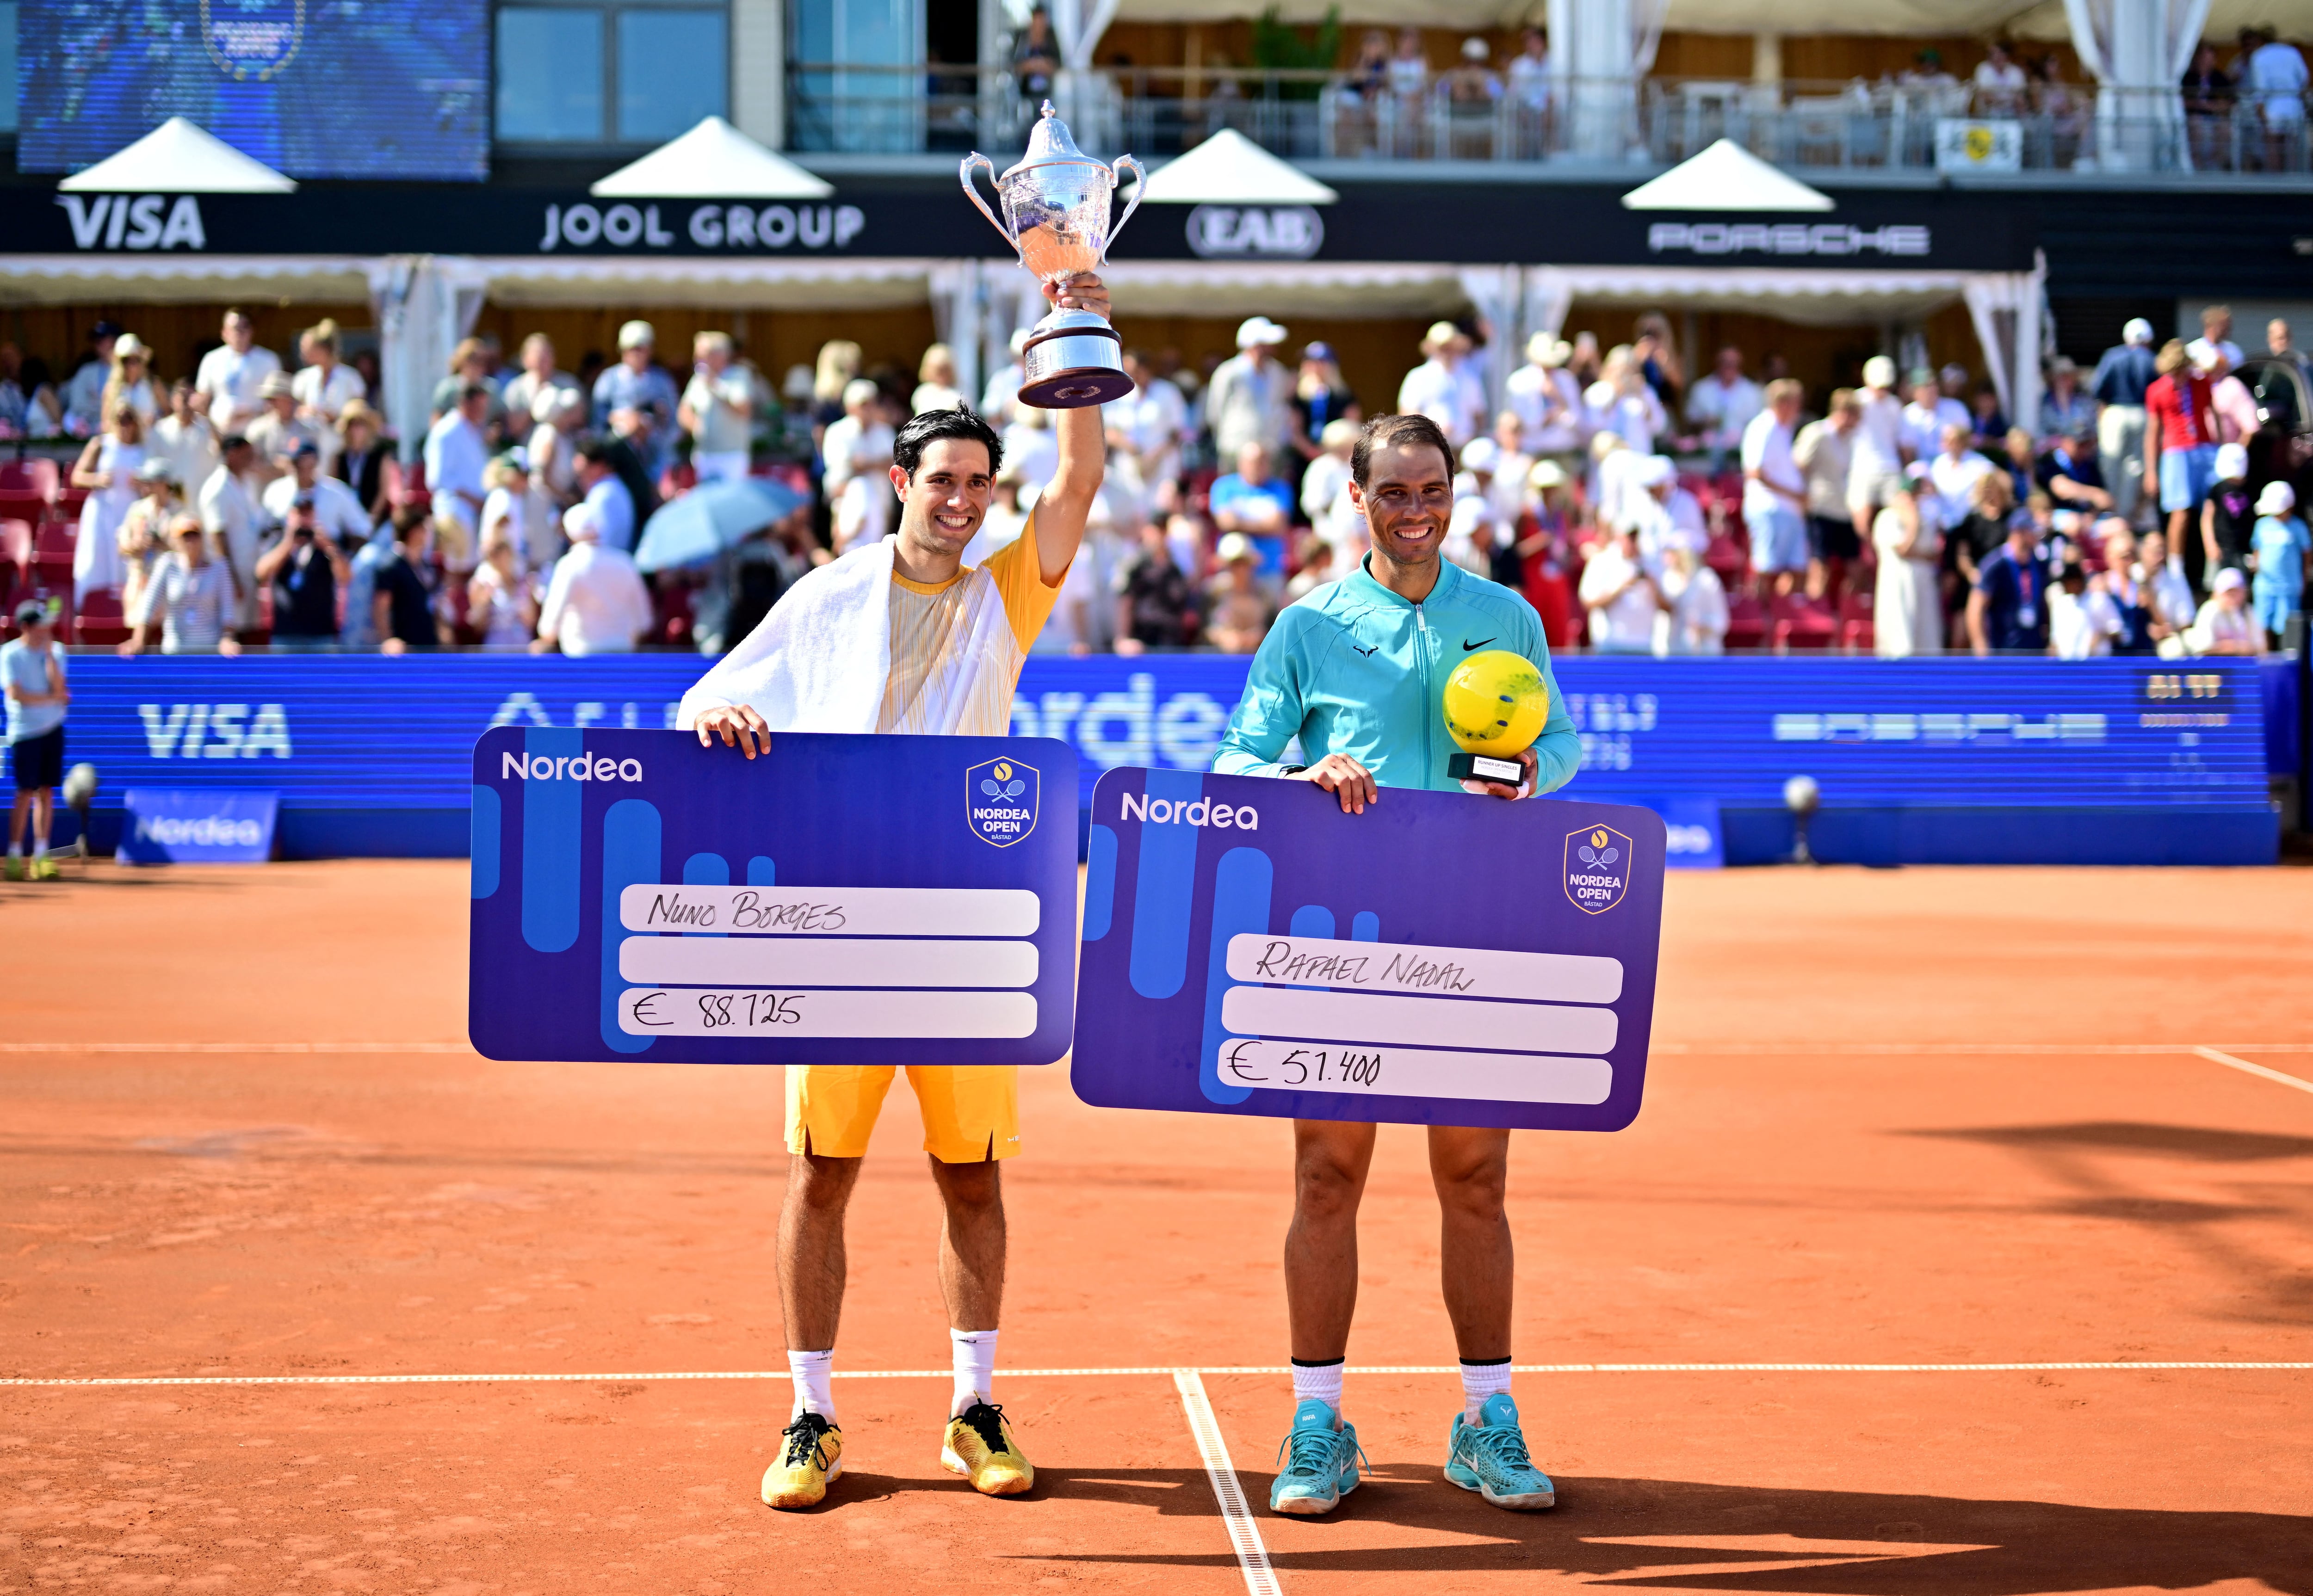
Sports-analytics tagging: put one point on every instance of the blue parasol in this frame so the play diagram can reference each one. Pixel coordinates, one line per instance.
(712, 518)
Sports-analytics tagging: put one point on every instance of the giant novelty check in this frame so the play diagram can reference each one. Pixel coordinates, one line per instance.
(1441, 958)
(838, 900)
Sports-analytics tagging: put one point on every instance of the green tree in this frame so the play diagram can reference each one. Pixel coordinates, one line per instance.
(1278, 47)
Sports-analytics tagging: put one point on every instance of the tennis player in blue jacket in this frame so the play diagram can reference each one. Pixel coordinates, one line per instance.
(1357, 671)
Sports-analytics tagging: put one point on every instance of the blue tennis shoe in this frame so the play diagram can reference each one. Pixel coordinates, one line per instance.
(1491, 1459)
(1320, 1463)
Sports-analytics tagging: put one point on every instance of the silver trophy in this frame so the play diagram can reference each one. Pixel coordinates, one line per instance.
(1056, 206)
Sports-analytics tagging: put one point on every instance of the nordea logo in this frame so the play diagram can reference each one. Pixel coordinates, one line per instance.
(569, 768)
(1201, 811)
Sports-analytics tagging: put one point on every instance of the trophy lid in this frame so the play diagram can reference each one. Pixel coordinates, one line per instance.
(1050, 144)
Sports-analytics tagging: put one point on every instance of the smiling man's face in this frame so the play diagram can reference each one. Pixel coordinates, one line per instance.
(942, 506)
(1407, 497)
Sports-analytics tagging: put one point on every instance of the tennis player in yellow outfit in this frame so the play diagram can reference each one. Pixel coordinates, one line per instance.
(958, 636)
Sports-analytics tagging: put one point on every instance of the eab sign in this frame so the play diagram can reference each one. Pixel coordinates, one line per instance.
(1963, 144)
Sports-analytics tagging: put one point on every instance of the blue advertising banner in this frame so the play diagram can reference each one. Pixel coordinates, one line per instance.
(371, 755)
(836, 901)
(1438, 959)
(202, 826)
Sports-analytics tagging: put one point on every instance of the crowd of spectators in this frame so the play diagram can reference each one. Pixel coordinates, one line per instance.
(2147, 507)
(2244, 109)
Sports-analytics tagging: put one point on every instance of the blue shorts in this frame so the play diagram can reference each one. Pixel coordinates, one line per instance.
(1779, 538)
(2187, 477)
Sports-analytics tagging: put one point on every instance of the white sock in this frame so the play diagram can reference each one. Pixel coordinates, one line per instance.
(812, 1373)
(974, 1354)
(15, 850)
(1481, 1381)
(40, 848)
(1321, 1381)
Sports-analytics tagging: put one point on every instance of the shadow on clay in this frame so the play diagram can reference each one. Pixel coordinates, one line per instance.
(1678, 1534)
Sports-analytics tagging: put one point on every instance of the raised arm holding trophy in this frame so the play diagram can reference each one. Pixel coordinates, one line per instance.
(1056, 203)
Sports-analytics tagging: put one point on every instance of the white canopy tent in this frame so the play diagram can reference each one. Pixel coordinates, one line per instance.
(713, 160)
(1230, 169)
(1727, 176)
(178, 157)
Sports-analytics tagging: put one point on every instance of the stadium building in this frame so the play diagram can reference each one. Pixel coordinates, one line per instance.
(1914, 191)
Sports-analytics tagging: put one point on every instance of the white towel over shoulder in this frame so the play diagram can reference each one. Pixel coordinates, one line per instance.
(819, 661)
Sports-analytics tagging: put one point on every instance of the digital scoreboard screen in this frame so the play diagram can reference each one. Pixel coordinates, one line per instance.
(312, 87)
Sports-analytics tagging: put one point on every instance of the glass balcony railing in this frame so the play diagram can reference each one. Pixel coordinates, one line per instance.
(1891, 126)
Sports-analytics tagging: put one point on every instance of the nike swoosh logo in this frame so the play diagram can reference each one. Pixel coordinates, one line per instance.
(1480, 643)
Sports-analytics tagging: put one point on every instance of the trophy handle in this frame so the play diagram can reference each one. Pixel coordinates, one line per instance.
(972, 192)
(1139, 182)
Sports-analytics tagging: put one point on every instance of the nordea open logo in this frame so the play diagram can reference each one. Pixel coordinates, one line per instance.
(569, 768)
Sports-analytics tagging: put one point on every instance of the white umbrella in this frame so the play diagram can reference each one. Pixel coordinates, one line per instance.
(713, 160)
(1230, 169)
(178, 157)
(1726, 176)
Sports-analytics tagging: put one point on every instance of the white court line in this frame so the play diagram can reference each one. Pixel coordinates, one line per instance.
(2214, 1056)
(1172, 1371)
(1245, 1535)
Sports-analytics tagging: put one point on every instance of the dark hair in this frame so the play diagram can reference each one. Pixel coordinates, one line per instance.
(593, 447)
(407, 520)
(1396, 432)
(960, 422)
(231, 441)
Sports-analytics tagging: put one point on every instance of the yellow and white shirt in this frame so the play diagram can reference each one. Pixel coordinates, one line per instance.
(937, 649)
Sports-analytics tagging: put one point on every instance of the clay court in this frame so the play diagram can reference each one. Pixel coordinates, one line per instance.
(1934, 1122)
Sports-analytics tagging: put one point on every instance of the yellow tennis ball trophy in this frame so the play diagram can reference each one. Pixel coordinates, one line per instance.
(1495, 706)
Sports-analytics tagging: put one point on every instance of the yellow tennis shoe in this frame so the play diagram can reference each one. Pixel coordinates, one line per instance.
(979, 1447)
(811, 1454)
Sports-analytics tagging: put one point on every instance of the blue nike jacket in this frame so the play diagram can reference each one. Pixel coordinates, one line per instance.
(1354, 669)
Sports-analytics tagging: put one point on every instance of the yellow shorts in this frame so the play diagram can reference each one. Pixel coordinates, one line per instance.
(971, 1111)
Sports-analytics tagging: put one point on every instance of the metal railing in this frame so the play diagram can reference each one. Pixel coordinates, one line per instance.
(1890, 125)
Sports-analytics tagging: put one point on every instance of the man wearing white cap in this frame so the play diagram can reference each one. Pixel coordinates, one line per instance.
(595, 600)
(1250, 398)
(637, 383)
(2281, 546)
(1546, 398)
(1876, 464)
(2121, 376)
(1445, 386)
(2225, 624)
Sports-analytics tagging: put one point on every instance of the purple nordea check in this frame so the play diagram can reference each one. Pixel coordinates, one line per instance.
(1441, 958)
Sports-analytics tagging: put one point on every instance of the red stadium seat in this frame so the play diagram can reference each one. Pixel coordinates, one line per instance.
(1725, 556)
(1801, 623)
(37, 475)
(99, 622)
(16, 545)
(24, 503)
(52, 552)
(1747, 622)
(1855, 622)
